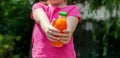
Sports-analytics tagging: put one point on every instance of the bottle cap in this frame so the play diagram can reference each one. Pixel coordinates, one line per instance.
(62, 13)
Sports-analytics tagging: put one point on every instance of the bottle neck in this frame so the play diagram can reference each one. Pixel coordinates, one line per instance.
(62, 16)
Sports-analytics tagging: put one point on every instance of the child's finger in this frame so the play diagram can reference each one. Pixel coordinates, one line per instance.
(52, 33)
(51, 38)
(67, 31)
(53, 29)
(63, 35)
(65, 41)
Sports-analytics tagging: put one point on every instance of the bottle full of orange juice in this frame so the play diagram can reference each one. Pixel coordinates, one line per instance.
(60, 24)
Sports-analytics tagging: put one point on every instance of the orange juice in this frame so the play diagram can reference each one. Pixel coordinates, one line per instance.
(60, 24)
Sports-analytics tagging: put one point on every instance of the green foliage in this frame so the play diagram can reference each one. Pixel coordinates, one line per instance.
(109, 4)
(104, 37)
(15, 28)
(116, 31)
(7, 45)
(95, 4)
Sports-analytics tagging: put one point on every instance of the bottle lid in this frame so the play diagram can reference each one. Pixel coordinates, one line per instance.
(62, 13)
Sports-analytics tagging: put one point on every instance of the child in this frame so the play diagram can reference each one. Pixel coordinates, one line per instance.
(44, 32)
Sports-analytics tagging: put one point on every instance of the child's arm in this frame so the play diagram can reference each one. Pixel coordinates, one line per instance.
(41, 18)
(72, 23)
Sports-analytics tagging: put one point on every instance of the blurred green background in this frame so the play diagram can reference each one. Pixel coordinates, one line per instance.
(96, 36)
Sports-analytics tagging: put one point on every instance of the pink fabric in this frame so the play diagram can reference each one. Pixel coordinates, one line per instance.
(41, 45)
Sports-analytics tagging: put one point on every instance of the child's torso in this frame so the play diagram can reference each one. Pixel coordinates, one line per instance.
(41, 45)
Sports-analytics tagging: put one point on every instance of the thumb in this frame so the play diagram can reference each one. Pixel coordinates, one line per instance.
(53, 29)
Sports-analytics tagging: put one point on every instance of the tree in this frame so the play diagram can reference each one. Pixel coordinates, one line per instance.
(15, 28)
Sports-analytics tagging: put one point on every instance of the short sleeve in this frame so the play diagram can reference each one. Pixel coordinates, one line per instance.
(75, 12)
(35, 6)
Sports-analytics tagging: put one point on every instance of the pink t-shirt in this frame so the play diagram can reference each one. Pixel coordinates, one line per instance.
(41, 45)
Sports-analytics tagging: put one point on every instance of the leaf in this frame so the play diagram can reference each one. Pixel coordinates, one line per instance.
(1, 37)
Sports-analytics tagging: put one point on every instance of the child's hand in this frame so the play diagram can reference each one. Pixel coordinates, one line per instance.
(52, 33)
(65, 36)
